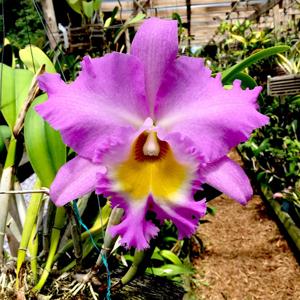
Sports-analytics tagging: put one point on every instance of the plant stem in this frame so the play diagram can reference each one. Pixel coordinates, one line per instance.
(94, 230)
(31, 217)
(6, 184)
(33, 250)
(59, 221)
(114, 219)
(138, 258)
(21, 204)
(138, 266)
(41, 191)
(75, 233)
(47, 225)
(82, 203)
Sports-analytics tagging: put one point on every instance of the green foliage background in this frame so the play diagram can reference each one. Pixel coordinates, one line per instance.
(22, 24)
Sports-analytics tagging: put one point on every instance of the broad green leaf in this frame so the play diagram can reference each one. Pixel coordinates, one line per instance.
(33, 57)
(44, 146)
(23, 80)
(15, 87)
(157, 256)
(97, 4)
(75, 5)
(170, 270)
(167, 254)
(8, 107)
(229, 74)
(88, 8)
(128, 257)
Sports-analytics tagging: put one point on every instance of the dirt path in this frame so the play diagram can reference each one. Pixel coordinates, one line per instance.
(246, 257)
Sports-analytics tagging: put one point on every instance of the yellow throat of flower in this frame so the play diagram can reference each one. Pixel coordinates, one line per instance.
(151, 168)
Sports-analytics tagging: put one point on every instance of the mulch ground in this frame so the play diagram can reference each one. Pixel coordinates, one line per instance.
(246, 257)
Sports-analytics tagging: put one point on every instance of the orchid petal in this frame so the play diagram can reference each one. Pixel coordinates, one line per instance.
(229, 178)
(184, 216)
(134, 229)
(156, 45)
(198, 107)
(106, 98)
(74, 179)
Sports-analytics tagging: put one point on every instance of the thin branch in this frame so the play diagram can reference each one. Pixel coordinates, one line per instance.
(42, 191)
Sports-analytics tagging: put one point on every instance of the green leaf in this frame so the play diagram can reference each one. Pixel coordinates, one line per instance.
(97, 4)
(4, 135)
(296, 102)
(170, 270)
(176, 16)
(128, 23)
(88, 8)
(23, 80)
(229, 74)
(139, 17)
(156, 255)
(261, 176)
(44, 146)
(111, 19)
(8, 107)
(107, 23)
(167, 254)
(75, 5)
(33, 57)
(128, 257)
(168, 239)
(247, 80)
(239, 39)
(15, 87)
(211, 210)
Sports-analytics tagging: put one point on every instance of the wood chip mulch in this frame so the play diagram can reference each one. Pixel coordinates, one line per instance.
(245, 257)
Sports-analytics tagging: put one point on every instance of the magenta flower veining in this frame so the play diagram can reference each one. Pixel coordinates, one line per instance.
(149, 129)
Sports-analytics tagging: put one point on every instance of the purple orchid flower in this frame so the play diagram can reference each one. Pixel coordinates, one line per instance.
(149, 128)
